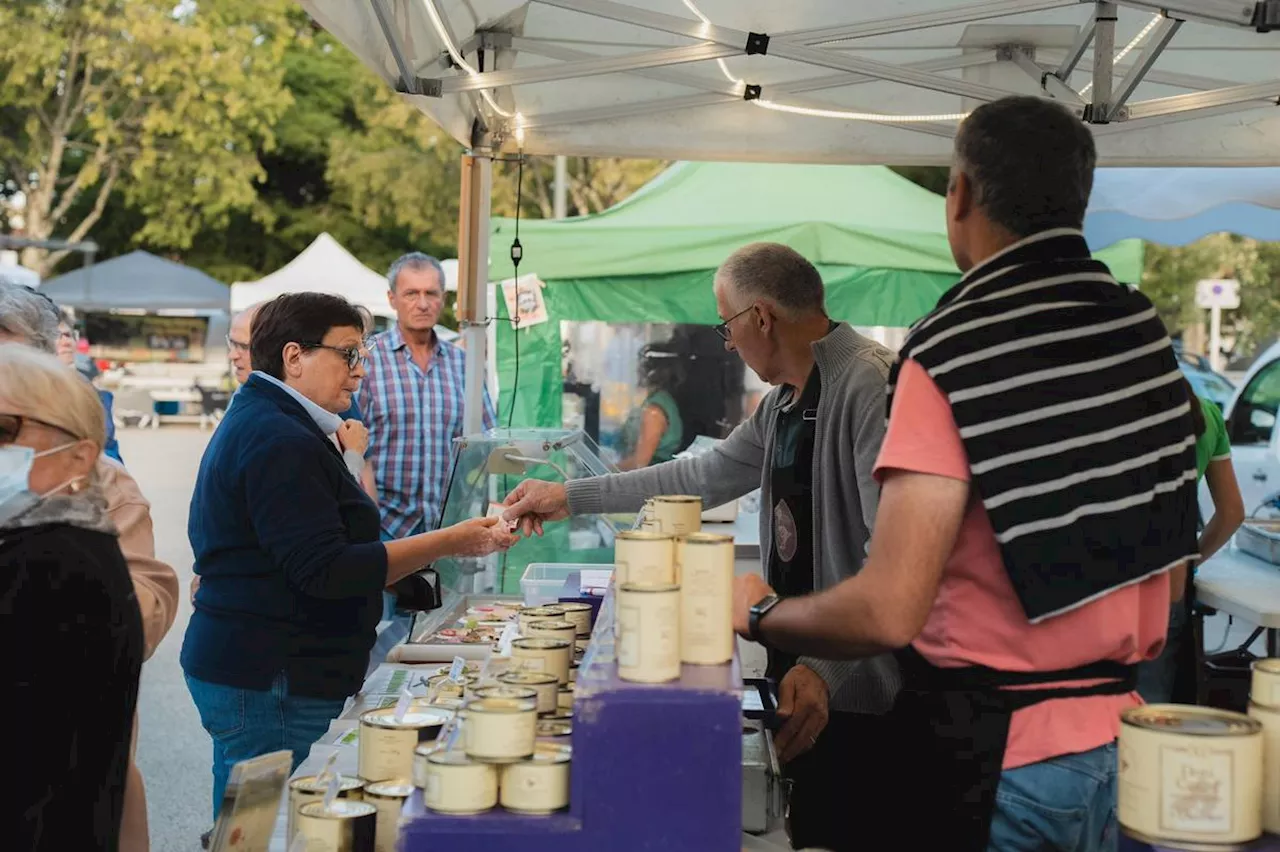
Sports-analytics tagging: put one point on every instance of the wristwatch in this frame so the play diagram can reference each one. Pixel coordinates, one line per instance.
(759, 611)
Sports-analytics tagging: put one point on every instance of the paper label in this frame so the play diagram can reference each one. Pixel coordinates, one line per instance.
(509, 634)
(331, 791)
(403, 704)
(1196, 789)
(594, 580)
(456, 670)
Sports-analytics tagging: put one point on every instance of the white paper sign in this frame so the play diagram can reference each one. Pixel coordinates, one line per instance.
(1218, 293)
(594, 580)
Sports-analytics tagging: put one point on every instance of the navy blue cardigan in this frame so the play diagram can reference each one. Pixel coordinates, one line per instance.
(287, 548)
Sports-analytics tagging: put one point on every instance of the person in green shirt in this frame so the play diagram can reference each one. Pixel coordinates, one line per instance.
(1161, 680)
(654, 432)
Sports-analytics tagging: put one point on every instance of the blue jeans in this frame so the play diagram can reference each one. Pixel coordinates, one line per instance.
(247, 723)
(1065, 804)
(1156, 677)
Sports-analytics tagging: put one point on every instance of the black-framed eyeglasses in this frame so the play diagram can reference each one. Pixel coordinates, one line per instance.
(11, 427)
(723, 328)
(234, 345)
(355, 356)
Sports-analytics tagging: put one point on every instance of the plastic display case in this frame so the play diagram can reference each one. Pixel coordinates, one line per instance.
(487, 467)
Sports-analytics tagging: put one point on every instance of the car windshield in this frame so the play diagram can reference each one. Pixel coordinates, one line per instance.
(1210, 386)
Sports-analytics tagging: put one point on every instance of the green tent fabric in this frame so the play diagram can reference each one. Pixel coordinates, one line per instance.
(878, 239)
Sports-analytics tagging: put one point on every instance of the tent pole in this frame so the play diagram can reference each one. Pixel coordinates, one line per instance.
(473, 280)
(1104, 51)
(561, 187)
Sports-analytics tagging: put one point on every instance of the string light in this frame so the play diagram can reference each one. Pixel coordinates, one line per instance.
(438, 23)
(1128, 48)
(846, 115)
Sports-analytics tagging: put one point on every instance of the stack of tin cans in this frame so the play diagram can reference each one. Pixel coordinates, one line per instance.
(674, 593)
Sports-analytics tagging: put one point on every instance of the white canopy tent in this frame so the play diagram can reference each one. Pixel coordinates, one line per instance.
(1161, 82)
(322, 267)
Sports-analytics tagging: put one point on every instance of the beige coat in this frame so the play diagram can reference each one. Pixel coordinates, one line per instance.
(156, 586)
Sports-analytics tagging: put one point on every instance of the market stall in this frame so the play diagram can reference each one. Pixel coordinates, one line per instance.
(878, 240)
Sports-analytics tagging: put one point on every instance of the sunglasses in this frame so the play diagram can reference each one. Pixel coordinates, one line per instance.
(354, 356)
(11, 427)
(723, 328)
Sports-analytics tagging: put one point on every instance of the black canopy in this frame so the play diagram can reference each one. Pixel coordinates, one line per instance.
(138, 281)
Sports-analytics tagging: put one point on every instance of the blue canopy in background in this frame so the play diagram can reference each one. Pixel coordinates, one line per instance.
(1179, 206)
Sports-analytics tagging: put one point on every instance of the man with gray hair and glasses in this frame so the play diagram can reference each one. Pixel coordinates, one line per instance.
(809, 447)
(412, 399)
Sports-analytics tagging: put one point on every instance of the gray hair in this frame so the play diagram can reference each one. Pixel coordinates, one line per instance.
(778, 274)
(1030, 161)
(28, 316)
(413, 260)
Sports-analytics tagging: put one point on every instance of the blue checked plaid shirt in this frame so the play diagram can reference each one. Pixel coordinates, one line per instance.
(413, 418)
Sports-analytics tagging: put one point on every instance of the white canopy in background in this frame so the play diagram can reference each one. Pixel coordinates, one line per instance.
(322, 267)
(730, 79)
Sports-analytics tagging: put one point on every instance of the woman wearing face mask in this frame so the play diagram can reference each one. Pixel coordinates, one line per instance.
(287, 544)
(68, 614)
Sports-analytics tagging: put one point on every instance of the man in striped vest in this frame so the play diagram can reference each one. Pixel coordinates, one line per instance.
(1038, 489)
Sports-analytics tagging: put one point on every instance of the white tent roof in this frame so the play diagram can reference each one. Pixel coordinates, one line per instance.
(322, 267)
(676, 78)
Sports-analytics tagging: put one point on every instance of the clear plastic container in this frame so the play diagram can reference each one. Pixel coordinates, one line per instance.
(543, 582)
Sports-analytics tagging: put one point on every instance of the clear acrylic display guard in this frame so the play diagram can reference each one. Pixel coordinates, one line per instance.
(487, 467)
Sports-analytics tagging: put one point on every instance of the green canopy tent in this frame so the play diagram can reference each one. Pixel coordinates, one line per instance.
(878, 239)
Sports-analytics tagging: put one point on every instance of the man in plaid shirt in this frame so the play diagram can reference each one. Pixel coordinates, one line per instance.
(411, 399)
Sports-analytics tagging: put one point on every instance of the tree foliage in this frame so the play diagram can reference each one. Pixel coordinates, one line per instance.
(166, 107)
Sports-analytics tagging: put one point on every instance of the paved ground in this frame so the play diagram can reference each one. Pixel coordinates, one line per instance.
(173, 750)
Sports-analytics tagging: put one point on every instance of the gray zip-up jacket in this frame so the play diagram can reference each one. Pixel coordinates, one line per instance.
(850, 428)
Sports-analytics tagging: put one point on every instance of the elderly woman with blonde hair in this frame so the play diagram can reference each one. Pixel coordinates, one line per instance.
(68, 612)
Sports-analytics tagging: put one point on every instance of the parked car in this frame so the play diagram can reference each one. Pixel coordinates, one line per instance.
(1251, 424)
(1214, 387)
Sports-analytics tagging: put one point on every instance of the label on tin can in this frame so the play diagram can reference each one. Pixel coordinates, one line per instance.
(648, 634)
(706, 599)
(500, 736)
(386, 753)
(1198, 789)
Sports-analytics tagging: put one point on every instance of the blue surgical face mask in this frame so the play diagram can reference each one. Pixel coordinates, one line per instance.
(16, 496)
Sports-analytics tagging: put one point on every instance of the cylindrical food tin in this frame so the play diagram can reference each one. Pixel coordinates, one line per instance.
(1269, 717)
(544, 685)
(389, 798)
(539, 785)
(677, 514)
(1265, 687)
(445, 688)
(345, 826)
(500, 730)
(550, 612)
(644, 557)
(553, 656)
(573, 672)
(552, 630)
(311, 788)
(506, 690)
(386, 745)
(555, 726)
(456, 784)
(648, 632)
(706, 598)
(1190, 775)
(579, 615)
(564, 700)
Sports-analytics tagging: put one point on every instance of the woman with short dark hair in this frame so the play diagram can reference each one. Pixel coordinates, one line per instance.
(287, 544)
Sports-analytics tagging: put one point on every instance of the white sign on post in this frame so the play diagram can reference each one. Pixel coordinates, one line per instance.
(1217, 294)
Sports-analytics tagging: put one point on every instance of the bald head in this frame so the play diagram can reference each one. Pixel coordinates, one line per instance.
(776, 274)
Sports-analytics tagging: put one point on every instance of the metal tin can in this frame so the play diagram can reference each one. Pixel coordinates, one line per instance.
(705, 566)
(539, 785)
(1190, 775)
(564, 699)
(386, 745)
(310, 788)
(675, 514)
(1269, 717)
(552, 630)
(549, 612)
(506, 690)
(1264, 689)
(446, 688)
(555, 726)
(456, 784)
(579, 615)
(648, 632)
(345, 826)
(544, 685)
(389, 798)
(538, 654)
(499, 730)
(644, 557)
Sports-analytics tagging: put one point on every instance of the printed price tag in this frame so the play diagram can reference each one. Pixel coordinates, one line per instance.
(510, 633)
(456, 670)
(403, 704)
(328, 766)
(331, 791)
